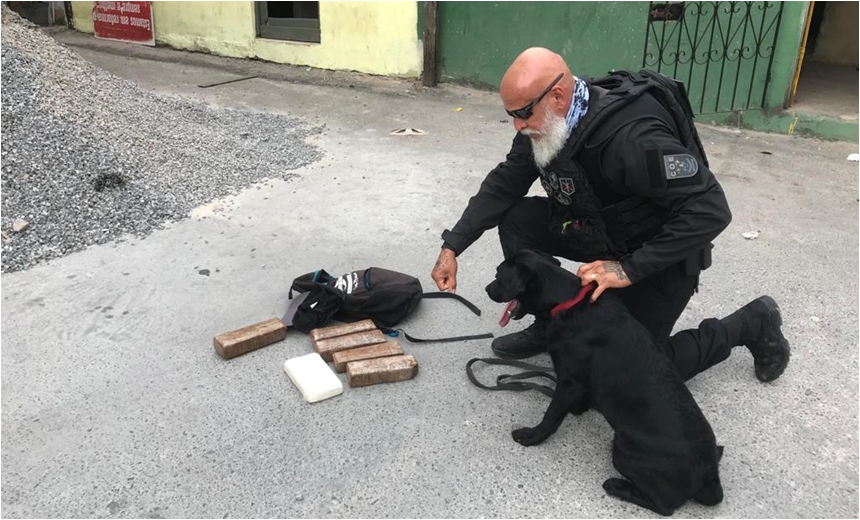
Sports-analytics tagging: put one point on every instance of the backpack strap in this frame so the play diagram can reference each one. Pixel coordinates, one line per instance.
(514, 382)
(309, 281)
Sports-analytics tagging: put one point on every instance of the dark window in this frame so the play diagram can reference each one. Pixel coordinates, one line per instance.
(666, 12)
(297, 21)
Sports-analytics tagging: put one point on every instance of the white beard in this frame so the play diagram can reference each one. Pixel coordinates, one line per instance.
(547, 144)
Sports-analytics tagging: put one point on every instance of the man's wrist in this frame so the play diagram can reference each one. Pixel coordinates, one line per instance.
(629, 270)
(446, 245)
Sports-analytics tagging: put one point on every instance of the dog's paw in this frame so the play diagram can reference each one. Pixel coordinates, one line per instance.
(617, 487)
(527, 436)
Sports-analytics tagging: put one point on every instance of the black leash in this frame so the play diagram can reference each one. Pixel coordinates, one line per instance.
(439, 295)
(514, 382)
(396, 332)
(472, 307)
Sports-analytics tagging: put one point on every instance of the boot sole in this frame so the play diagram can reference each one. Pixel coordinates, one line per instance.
(779, 365)
(784, 354)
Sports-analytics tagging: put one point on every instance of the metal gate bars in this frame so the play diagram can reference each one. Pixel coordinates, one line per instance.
(722, 51)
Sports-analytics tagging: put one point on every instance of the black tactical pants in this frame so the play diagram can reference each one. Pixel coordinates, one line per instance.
(656, 301)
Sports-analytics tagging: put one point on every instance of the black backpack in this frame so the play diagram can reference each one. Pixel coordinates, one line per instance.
(384, 296)
(627, 86)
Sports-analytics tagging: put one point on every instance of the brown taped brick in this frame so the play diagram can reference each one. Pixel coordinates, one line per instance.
(327, 347)
(237, 342)
(381, 370)
(341, 330)
(389, 348)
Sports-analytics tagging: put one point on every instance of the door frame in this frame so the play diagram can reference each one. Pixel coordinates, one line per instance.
(800, 55)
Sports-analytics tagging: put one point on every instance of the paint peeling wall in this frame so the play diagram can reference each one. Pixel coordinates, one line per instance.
(372, 37)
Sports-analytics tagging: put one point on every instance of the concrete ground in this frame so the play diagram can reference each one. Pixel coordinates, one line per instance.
(827, 90)
(114, 403)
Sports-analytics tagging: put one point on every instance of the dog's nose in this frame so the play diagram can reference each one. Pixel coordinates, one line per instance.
(491, 289)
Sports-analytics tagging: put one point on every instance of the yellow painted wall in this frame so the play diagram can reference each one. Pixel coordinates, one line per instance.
(82, 16)
(374, 37)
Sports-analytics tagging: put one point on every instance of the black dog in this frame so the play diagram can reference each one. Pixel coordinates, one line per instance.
(606, 360)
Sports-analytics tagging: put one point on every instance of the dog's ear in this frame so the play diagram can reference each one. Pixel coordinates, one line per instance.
(533, 255)
(552, 259)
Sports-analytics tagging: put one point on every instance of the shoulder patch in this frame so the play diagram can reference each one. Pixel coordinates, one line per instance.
(679, 166)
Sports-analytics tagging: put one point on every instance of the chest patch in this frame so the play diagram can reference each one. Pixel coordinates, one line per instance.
(566, 185)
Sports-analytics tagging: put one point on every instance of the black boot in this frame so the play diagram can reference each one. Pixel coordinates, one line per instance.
(525, 343)
(756, 325)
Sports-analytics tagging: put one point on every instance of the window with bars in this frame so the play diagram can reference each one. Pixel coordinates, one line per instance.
(296, 21)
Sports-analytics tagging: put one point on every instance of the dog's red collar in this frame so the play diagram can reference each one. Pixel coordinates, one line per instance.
(565, 305)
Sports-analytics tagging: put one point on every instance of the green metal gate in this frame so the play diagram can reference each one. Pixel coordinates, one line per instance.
(722, 51)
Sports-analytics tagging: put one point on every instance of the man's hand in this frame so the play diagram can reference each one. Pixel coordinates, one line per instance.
(445, 271)
(607, 273)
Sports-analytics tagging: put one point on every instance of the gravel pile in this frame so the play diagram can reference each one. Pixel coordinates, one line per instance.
(88, 157)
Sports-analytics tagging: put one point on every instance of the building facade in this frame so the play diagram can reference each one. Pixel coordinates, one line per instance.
(372, 37)
(788, 67)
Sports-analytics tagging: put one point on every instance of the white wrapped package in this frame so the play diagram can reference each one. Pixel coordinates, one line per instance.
(313, 377)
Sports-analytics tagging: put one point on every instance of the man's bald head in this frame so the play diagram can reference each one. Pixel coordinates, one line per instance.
(530, 73)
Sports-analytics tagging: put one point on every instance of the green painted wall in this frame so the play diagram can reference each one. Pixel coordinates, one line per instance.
(787, 52)
(478, 40)
(791, 123)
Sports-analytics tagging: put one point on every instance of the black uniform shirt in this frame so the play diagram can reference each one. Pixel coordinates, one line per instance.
(635, 152)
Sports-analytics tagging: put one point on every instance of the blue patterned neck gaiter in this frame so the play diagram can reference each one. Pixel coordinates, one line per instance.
(578, 104)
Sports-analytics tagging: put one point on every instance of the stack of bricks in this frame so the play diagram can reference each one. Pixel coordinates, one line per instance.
(364, 352)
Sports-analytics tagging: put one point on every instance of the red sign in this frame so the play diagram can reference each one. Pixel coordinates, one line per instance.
(124, 21)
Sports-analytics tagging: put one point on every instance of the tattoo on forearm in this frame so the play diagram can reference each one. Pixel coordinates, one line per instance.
(616, 269)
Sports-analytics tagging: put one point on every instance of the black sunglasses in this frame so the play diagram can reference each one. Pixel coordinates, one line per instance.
(526, 111)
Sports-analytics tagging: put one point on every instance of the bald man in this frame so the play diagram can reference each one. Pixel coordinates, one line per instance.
(629, 194)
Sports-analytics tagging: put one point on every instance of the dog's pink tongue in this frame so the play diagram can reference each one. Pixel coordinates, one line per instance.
(509, 311)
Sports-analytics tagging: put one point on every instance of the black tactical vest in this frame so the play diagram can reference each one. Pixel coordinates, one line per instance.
(595, 230)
